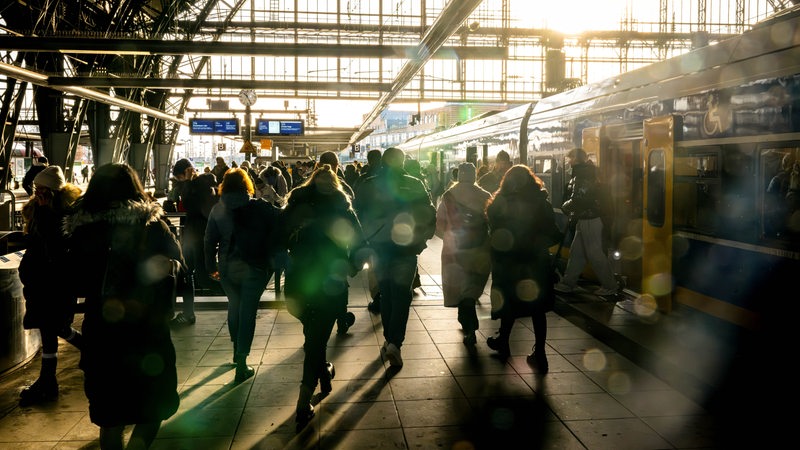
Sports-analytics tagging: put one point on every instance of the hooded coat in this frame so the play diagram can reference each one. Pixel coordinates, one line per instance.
(465, 271)
(126, 256)
(47, 303)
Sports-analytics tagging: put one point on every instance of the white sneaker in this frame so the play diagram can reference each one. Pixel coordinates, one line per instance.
(393, 355)
(564, 288)
(604, 291)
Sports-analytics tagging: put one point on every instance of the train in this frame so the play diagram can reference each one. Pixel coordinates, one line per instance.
(690, 149)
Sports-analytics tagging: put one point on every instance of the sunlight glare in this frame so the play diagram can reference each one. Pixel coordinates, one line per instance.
(560, 16)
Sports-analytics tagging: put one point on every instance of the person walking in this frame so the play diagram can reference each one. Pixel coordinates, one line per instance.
(461, 223)
(491, 181)
(124, 258)
(239, 242)
(398, 218)
(273, 188)
(369, 170)
(523, 228)
(584, 207)
(38, 165)
(196, 195)
(321, 232)
(48, 306)
(219, 169)
(346, 319)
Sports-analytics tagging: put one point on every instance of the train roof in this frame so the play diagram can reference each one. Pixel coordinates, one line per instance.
(502, 121)
(769, 50)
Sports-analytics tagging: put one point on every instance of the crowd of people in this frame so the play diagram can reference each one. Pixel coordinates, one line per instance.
(315, 225)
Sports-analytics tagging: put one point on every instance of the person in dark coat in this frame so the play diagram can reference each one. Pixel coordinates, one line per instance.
(321, 231)
(232, 226)
(196, 195)
(125, 260)
(48, 306)
(522, 228)
(369, 170)
(491, 181)
(37, 166)
(398, 218)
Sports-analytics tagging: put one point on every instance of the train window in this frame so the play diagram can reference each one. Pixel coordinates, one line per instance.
(696, 191)
(780, 182)
(656, 188)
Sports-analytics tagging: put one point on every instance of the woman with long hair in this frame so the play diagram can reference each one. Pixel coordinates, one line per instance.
(321, 231)
(128, 261)
(522, 229)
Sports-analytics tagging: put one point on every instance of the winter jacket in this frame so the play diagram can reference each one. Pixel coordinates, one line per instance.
(465, 271)
(522, 227)
(396, 212)
(125, 262)
(321, 232)
(583, 193)
(41, 270)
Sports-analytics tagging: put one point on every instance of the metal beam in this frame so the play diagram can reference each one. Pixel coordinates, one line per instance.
(78, 45)
(40, 79)
(188, 83)
(450, 19)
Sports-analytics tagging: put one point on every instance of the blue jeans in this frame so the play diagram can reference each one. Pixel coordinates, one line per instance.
(243, 285)
(395, 274)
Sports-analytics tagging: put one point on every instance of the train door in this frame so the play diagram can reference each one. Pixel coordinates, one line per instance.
(659, 140)
(623, 156)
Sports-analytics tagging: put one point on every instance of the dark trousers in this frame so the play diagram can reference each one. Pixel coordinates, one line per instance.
(317, 328)
(395, 275)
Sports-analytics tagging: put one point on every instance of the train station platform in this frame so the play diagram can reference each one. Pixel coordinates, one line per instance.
(618, 379)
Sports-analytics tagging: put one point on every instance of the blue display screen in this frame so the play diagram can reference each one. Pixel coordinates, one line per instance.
(214, 126)
(272, 127)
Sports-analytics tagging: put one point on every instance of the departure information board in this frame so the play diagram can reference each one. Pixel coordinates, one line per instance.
(214, 126)
(273, 127)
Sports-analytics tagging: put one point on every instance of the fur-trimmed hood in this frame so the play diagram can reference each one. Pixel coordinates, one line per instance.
(128, 213)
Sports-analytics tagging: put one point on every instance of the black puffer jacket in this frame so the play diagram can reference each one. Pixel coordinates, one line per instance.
(583, 193)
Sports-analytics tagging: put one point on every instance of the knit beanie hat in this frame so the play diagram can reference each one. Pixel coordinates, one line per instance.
(50, 177)
(466, 173)
(180, 167)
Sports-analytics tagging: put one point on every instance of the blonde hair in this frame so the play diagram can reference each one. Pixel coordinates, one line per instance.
(236, 180)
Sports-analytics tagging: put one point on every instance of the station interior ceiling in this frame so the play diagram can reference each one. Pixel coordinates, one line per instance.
(136, 71)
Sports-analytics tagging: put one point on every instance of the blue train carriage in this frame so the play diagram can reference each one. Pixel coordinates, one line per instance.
(477, 140)
(701, 154)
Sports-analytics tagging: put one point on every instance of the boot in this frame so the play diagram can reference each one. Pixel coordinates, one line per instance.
(243, 371)
(45, 388)
(304, 409)
(328, 373)
(500, 345)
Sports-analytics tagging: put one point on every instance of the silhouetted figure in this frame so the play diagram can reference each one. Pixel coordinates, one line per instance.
(321, 231)
(462, 224)
(238, 227)
(124, 258)
(48, 305)
(523, 228)
(398, 218)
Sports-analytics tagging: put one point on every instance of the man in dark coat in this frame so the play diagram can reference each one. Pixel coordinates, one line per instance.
(39, 164)
(196, 195)
(398, 218)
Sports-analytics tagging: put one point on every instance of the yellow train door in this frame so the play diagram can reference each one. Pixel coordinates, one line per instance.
(657, 279)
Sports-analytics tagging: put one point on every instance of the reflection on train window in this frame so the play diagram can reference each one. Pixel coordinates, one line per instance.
(656, 187)
(780, 181)
(547, 169)
(696, 191)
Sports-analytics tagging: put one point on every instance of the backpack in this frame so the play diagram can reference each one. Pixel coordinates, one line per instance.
(468, 225)
(252, 238)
